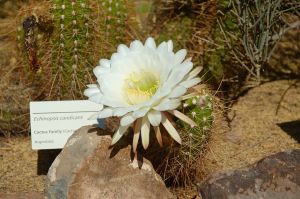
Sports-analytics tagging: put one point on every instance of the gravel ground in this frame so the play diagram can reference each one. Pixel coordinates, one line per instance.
(254, 131)
(18, 166)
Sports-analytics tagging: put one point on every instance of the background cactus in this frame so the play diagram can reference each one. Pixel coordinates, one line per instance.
(117, 17)
(67, 40)
(71, 46)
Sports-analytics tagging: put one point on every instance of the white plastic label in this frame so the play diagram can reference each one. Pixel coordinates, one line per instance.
(53, 122)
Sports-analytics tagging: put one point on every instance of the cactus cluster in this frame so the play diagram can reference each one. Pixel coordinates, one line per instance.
(179, 166)
(62, 41)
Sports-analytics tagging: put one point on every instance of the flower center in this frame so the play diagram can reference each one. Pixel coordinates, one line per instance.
(140, 86)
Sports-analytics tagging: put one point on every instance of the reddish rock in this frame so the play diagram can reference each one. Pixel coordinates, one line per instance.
(274, 177)
(88, 168)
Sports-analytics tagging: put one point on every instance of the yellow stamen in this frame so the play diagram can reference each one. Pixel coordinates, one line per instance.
(140, 87)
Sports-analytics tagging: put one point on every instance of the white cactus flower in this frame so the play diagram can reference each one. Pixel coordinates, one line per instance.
(140, 83)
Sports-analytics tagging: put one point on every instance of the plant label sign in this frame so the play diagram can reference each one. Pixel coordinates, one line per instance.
(53, 122)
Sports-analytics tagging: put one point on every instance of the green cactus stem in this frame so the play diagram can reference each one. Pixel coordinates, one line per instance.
(70, 48)
(62, 44)
(179, 166)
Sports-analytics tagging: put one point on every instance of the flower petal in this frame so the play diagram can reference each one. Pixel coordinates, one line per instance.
(177, 91)
(191, 82)
(136, 45)
(183, 117)
(120, 132)
(178, 73)
(136, 135)
(111, 85)
(194, 72)
(127, 119)
(167, 104)
(179, 56)
(121, 111)
(91, 90)
(106, 112)
(140, 112)
(158, 135)
(162, 92)
(123, 49)
(162, 47)
(170, 129)
(145, 131)
(188, 96)
(170, 46)
(150, 43)
(99, 70)
(92, 85)
(109, 101)
(97, 98)
(154, 117)
(105, 63)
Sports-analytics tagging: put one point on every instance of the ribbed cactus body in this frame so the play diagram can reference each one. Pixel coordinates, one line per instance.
(61, 45)
(71, 45)
(200, 109)
(115, 17)
(115, 13)
(179, 167)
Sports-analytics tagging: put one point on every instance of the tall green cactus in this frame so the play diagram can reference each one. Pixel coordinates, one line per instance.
(67, 40)
(117, 16)
(71, 46)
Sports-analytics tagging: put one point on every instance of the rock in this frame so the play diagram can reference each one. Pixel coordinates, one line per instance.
(262, 122)
(28, 195)
(88, 168)
(274, 177)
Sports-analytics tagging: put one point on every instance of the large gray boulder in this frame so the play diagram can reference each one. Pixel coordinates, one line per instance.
(274, 177)
(88, 168)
